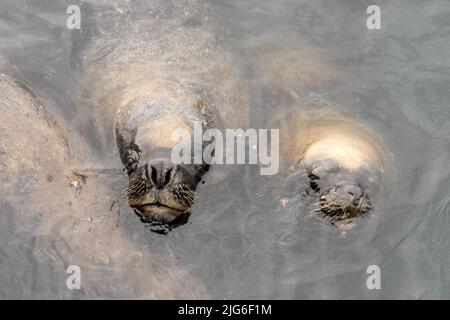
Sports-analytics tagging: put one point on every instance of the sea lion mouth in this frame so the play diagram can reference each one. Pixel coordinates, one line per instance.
(156, 206)
(162, 193)
(160, 214)
(160, 206)
(157, 209)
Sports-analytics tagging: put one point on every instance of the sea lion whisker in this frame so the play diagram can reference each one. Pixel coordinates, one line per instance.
(189, 198)
(132, 189)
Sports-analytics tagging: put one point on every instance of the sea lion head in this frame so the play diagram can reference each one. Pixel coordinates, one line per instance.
(343, 194)
(344, 170)
(335, 161)
(160, 191)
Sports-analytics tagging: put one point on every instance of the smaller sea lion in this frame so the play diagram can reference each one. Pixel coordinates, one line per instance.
(339, 159)
(343, 160)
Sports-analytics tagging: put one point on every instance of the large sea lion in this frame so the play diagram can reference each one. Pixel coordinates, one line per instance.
(342, 160)
(58, 217)
(149, 79)
(145, 78)
(54, 216)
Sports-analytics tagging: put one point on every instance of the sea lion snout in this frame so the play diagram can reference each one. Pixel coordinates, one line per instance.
(344, 200)
(161, 172)
(163, 192)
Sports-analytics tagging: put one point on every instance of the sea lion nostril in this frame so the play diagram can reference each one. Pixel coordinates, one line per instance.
(165, 177)
(161, 172)
(356, 193)
(154, 175)
(356, 202)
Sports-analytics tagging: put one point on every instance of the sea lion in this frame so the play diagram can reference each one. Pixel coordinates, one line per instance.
(156, 76)
(54, 216)
(342, 160)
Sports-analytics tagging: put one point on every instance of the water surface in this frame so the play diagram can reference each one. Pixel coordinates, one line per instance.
(240, 242)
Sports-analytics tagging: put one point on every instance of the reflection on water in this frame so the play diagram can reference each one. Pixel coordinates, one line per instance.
(240, 241)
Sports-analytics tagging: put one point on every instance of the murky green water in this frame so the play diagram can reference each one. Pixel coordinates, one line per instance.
(240, 242)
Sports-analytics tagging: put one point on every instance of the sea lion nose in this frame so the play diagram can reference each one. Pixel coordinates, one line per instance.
(161, 173)
(355, 192)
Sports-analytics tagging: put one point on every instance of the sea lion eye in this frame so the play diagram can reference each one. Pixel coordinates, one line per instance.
(130, 165)
(133, 158)
(201, 169)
